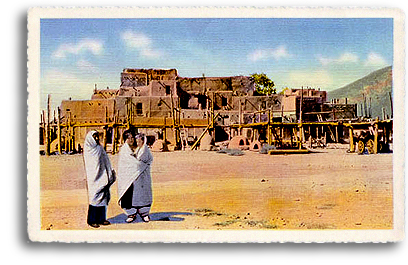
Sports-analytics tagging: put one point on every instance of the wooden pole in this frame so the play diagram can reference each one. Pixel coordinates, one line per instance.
(68, 141)
(301, 106)
(212, 117)
(269, 127)
(73, 139)
(59, 130)
(376, 136)
(48, 138)
(352, 148)
(392, 112)
(301, 120)
(114, 132)
(71, 134)
(239, 111)
(105, 137)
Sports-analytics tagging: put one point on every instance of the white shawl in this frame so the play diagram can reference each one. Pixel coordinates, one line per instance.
(131, 166)
(99, 173)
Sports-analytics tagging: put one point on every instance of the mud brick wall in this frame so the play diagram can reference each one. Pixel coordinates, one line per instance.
(143, 77)
(311, 92)
(88, 111)
(105, 93)
(134, 79)
(240, 85)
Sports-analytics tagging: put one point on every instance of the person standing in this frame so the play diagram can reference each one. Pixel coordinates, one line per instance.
(100, 176)
(134, 180)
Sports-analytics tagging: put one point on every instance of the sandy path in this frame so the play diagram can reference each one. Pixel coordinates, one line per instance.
(207, 190)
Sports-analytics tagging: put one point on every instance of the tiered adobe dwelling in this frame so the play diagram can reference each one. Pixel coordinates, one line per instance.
(160, 103)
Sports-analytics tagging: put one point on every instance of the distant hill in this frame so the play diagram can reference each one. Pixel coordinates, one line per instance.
(375, 87)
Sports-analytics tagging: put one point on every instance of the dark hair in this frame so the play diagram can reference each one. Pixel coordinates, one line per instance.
(127, 133)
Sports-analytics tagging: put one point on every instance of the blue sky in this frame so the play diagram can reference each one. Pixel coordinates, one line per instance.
(76, 54)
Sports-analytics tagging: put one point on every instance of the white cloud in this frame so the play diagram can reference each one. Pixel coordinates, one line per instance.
(376, 60)
(140, 42)
(348, 58)
(86, 66)
(343, 59)
(265, 54)
(315, 79)
(87, 45)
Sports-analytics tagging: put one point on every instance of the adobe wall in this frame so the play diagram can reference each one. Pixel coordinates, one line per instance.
(143, 77)
(240, 85)
(88, 111)
(155, 88)
(308, 92)
(104, 93)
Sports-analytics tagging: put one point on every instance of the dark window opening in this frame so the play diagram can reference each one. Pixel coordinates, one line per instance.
(108, 137)
(139, 109)
(167, 90)
(241, 142)
(224, 101)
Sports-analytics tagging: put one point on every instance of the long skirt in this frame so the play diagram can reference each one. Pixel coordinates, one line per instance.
(128, 205)
(96, 214)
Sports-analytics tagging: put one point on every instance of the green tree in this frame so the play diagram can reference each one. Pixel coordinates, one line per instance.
(263, 84)
(283, 91)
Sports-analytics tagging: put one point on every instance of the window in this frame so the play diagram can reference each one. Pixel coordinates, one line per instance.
(167, 90)
(224, 101)
(139, 109)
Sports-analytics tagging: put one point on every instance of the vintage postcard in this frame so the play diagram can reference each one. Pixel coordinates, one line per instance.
(215, 124)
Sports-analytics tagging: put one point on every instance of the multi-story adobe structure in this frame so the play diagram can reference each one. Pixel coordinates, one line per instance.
(162, 104)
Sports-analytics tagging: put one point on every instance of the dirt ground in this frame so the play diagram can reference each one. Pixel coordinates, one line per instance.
(329, 189)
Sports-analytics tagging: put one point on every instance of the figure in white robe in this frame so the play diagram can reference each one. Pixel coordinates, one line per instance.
(134, 180)
(100, 176)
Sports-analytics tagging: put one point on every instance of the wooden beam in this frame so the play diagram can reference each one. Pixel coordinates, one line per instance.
(351, 137)
(59, 130)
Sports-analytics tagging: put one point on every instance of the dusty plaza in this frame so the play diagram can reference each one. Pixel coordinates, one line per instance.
(325, 189)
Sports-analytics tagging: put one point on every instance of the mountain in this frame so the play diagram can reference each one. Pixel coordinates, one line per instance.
(375, 88)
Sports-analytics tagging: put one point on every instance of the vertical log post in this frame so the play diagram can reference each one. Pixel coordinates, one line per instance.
(269, 127)
(337, 133)
(376, 136)
(59, 130)
(301, 120)
(68, 137)
(352, 147)
(239, 116)
(392, 110)
(105, 137)
(212, 117)
(47, 126)
(114, 132)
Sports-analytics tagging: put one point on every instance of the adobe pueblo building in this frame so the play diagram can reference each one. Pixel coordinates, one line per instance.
(182, 112)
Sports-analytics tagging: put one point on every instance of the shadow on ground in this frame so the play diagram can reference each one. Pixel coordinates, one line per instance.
(163, 216)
